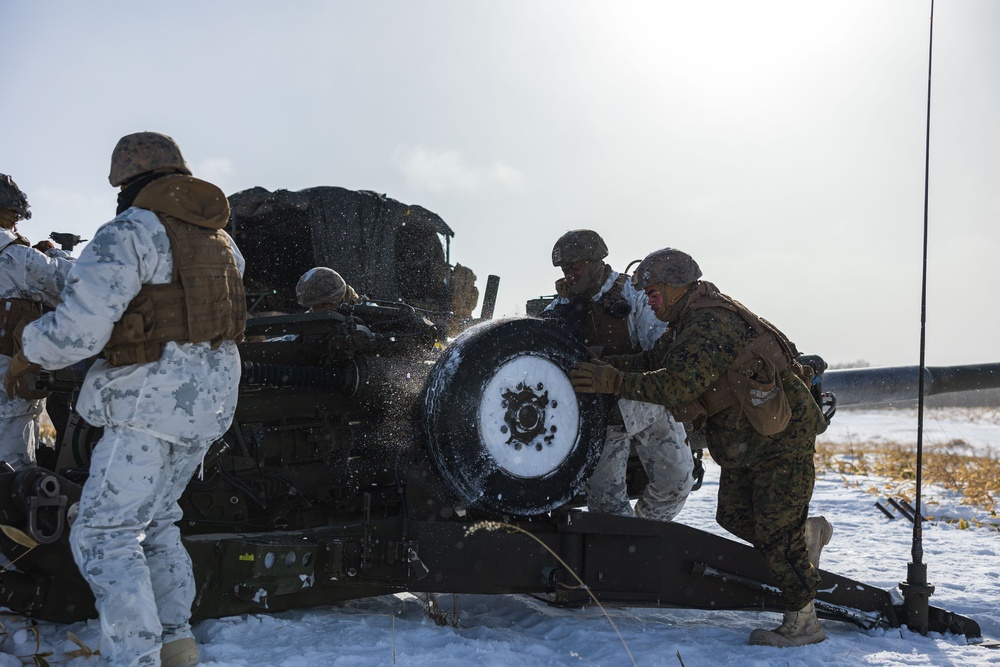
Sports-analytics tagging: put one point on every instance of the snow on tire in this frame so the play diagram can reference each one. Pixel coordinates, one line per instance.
(505, 428)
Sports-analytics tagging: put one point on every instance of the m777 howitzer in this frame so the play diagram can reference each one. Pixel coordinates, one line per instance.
(364, 460)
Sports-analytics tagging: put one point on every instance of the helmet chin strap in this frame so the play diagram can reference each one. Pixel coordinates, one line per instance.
(674, 293)
(672, 297)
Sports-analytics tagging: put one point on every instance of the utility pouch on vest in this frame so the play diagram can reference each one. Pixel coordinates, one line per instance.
(132, 340)
(758, 390)
(753, 379)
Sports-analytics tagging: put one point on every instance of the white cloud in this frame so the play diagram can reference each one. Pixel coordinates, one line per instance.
(447, 171)
(213, 169)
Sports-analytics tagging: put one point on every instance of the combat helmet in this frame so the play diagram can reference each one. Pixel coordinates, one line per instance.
(320, 285)
(143, 152)
(12, 198)
(668, 266)
(578, 244)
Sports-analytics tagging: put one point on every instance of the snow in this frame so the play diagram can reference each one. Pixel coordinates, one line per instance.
(973, 429)
(495, 631)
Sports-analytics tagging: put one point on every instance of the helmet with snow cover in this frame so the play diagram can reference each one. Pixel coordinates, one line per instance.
(320, 285)
(12, 198)
(578, 244)
(669, 266)
(143, 152)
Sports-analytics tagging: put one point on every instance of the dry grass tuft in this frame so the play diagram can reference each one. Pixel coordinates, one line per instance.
(891, 469)
(47, 432)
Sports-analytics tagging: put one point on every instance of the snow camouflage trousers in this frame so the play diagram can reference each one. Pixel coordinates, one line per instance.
(20, 421)
(19, 435)
(666, 458)
(128, 547)
(766, 504)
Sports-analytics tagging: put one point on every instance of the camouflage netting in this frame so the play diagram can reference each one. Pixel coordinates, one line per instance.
(383, 248)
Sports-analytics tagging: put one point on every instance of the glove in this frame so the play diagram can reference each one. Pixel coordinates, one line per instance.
(19, 373)
(596, 377)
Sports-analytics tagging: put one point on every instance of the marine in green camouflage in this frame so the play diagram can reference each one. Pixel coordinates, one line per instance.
(766, 481)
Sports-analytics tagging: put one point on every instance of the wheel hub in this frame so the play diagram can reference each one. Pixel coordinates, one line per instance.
(528, 417)
(524, 416)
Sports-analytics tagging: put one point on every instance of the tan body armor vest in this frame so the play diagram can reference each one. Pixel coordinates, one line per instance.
(590, 322)
(752, 380)
(204, 302)
(603, 329)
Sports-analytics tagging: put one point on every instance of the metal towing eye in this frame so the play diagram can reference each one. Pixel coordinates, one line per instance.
(45, 493)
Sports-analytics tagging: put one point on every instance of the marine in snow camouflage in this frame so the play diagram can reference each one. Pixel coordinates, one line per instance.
(159, 418)
(659, 440)
(25, 273)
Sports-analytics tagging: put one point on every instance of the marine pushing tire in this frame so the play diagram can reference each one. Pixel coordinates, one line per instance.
(505, 429)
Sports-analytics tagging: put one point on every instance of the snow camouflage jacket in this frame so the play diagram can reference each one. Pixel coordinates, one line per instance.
(689, 358)
(26, 273)
(189, 395)
(643, 327)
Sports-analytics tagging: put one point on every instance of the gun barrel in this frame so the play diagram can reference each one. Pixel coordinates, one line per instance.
(888, 384)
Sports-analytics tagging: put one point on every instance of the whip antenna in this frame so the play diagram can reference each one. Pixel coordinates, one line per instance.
(916, 590)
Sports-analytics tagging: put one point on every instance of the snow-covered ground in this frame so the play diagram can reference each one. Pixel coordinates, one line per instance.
(964, 430)
(497, 631)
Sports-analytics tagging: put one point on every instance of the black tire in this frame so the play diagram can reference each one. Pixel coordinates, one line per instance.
(505, 429)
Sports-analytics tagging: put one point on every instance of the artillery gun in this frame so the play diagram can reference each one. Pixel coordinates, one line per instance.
(363, 460)
(369, 457)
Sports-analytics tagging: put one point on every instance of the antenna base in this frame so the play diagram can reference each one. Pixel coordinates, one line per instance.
(916, 592)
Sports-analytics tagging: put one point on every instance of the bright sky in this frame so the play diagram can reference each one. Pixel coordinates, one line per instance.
(781, 143)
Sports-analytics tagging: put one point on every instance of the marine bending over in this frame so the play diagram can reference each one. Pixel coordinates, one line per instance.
(720, 365)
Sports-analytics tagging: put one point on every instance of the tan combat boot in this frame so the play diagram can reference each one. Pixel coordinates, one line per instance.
(179, 653)
(798, 629)
(818, 534)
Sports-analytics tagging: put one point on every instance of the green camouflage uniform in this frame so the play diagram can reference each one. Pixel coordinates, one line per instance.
(766, 481)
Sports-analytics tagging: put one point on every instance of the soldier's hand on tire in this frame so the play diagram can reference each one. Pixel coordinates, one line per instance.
(596, 377)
